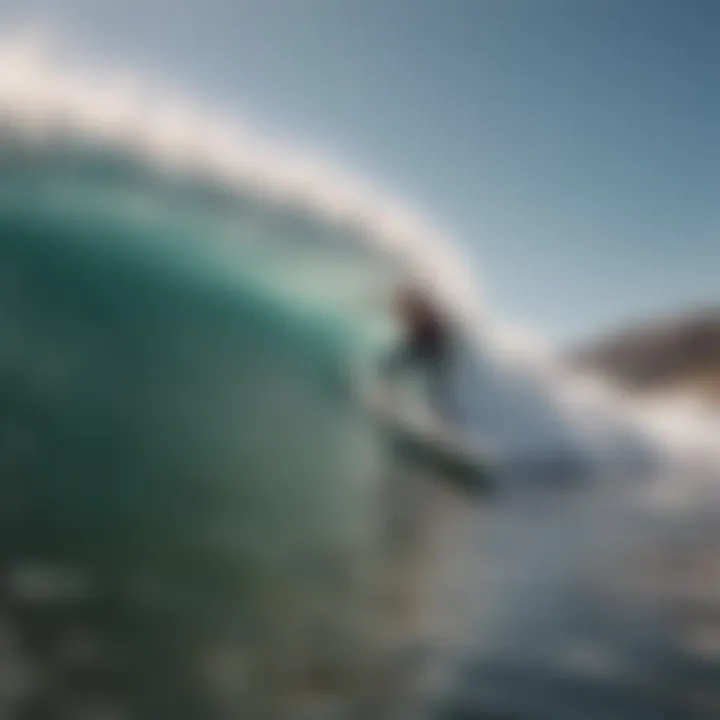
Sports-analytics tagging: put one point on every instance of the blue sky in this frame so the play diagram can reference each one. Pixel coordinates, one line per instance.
(570, 145)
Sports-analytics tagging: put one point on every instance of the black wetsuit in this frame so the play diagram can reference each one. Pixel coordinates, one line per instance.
(427, 348)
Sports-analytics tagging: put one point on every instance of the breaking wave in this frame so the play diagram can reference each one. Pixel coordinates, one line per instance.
(187, 313)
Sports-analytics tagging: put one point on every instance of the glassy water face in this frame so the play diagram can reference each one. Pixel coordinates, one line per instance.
(197, 521)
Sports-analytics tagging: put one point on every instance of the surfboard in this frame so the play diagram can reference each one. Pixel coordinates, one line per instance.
(434, 447)
(445, 456)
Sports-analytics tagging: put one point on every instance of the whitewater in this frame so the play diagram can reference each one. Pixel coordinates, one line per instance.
(201, 520)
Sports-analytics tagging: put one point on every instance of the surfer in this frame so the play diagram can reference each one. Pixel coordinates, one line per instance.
(426, 345)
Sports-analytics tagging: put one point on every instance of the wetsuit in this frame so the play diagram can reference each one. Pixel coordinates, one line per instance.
(427, 348)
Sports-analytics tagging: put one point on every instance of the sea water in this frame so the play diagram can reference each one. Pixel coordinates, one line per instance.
(201, 519)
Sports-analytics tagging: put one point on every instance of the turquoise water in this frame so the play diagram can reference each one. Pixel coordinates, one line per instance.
(181, 437)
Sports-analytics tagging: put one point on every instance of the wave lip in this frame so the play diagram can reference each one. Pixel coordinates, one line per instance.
(43, 99)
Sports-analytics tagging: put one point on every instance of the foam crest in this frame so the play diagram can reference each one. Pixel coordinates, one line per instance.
(40, 97)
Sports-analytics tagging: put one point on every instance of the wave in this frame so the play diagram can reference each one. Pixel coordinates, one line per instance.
(184, 307)
(300, 220)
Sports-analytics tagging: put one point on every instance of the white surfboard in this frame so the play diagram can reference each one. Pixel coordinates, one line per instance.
(435, 447)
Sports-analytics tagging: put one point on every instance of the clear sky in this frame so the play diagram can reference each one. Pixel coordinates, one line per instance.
(571, 145)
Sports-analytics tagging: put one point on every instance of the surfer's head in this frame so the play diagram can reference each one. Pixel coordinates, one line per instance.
(416, 303)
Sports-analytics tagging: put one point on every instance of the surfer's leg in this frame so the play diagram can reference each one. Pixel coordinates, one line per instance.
(440, 385)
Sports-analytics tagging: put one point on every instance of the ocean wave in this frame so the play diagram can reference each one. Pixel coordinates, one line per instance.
(182, 299)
